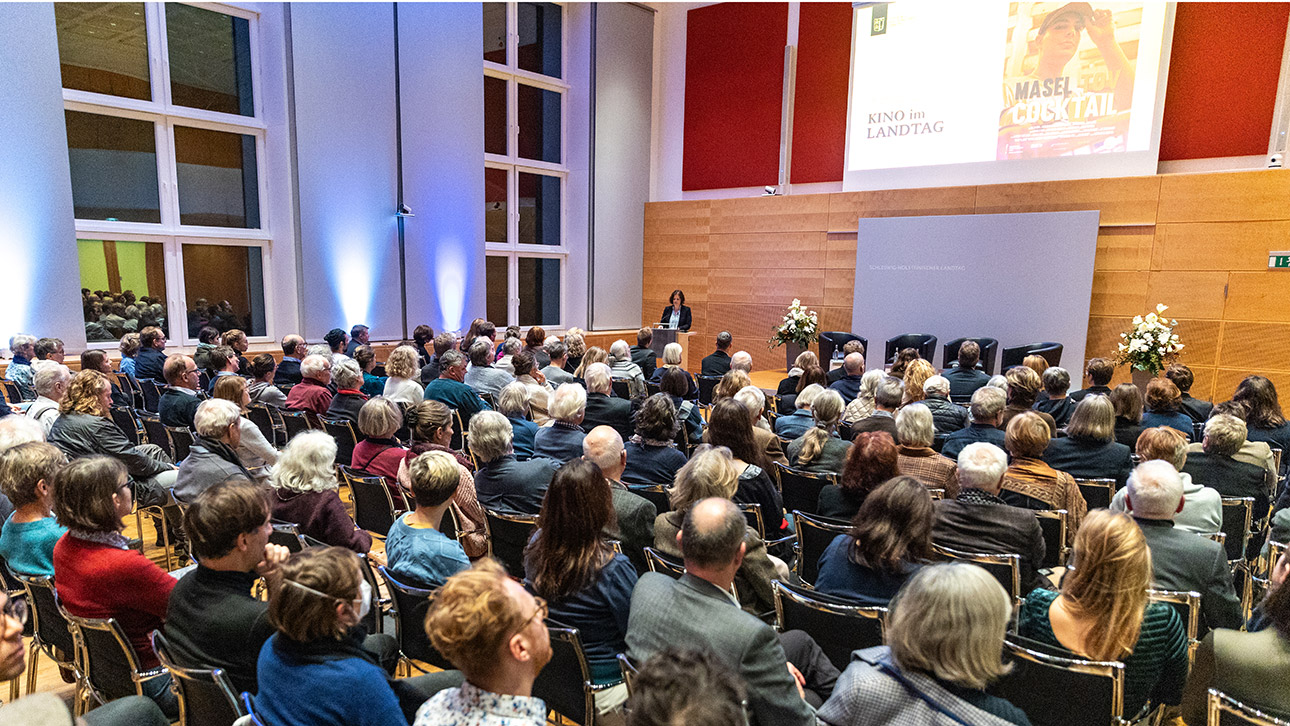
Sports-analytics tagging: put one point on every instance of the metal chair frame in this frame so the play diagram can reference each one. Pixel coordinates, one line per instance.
(402, 591)
(1183, 599)
(801, 521)
(355, 478)
(345, 448)
(492, 514)
(1219, 703)
(571, 638)
(629, 671)
(1114, 670)
(181, 441)
(705, 391)
(294, 422)
(87, 688)
(1247, 504)
(660, 562)
(833, 607)
(1100, 489)
(805, 487)
(39, 642)
(181, 676)
(993, 562)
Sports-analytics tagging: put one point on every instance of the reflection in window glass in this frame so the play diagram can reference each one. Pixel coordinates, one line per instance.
(103, 48)
(497, 284)
(210, 60)
(224, 288)
(217, 178)
(495, 32)
(539, 283)
(494, 115)
(539, 120)
(114, 167)
(123, 287)
(540, 47)
(539, 209)
(494, 205)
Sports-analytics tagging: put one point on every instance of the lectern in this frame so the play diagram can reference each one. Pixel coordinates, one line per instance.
(662, 336)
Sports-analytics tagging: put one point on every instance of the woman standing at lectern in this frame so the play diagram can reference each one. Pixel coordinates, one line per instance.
(676, 315)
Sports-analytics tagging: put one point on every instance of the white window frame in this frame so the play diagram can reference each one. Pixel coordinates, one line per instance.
(165, 115)
(514, 165)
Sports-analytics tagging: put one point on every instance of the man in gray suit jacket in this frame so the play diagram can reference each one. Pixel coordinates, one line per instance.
(633, 513)
(1181, 560)
(699, 610)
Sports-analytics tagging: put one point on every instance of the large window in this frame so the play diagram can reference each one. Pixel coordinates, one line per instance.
(524, 164)
(164, 140)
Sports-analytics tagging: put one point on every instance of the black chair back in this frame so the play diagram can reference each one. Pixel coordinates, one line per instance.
(127, 383)
(449, 526)
(622, 389)
(410, 604)
(1052, 525)
(651, 388)
(814, 535)
(989, 351)
(341, 430)
(655, 493)
(374, 507)
(374, 621)
(126, 420)
(1238, 515)
(839, 625)
(565, 683)
(1056, 688)
(258, 413)
(287, 534)
(151, 395)
(666, 564)
(295, 421)
(802, 488)
(1223, 710)
(108, 661)
(831, 342)
(752, 512)
(924, 342)
(11, 391)
(158, 433)
(1051, 352)
(706, 385)
(205, 695)
(48, 623)
(182, 440)
(508, 535)
(1006, 568)
(1097, 492)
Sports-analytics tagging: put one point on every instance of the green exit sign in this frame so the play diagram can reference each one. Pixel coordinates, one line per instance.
(1278, 260)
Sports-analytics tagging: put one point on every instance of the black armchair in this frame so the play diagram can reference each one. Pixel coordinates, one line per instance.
(1052, 352)
(925, 343)
(989, 351)
(833, 340)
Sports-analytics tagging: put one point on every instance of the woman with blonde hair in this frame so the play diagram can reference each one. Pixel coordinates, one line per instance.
(254, 450)
(306, 493)
(916, 374)
(730, 384)
(431, 425)
(402, 386)
(577, 346)
(594, 354)
(819, 450)
(1102, 613)
(711, 472)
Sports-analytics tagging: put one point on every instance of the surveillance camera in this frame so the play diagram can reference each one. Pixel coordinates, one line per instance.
(404, 211)
(770, 191)
(1275, 161)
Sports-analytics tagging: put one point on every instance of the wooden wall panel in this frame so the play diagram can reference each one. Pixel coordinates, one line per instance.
(677, 217)
(1128, 200)
(1124, 248)
(1259, 296)
(1188, 294)
(840, 251)
(1218, 245)
(839, 287)
(1255, 347)
(1103, 337)
(1232, 197)
(805, 213)
(1200, 341)
(837, 318)
(846, 209)
(661, 281)
(778, 288)
(1118, 293)
(1203, 379)
(751, 326)
(1228, 378)
(671, 250)
(768, 251)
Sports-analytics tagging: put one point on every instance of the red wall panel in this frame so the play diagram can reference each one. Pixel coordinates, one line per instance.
(734, 83)
(820, 103)
(1223, 73)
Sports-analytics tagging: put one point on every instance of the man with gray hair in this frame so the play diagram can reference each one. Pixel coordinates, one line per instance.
(501, 482)
(555, 373)
(786, 673)
(51, 382)
(510, 347)
(1216, 466)
(1180, 560)
(849, 384)
(977, 520)
(849, 347)
(212, 458)
(987, 412)
(718, 364)
(450, 390)
(293, 351)
(623, 369)
(483, 376)
(634, 514)
(603, 409)
(562, 440)
(947, 416)
(23, 348)
(312, 392)
(741, 361)
(887, 398)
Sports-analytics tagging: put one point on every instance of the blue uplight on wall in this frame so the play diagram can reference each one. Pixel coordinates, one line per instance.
(450, 270)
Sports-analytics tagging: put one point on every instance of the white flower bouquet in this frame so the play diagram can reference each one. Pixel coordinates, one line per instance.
(800, 326)
(1151, 344)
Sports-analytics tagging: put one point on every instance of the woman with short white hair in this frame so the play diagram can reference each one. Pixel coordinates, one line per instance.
(212, 457)
(944, 640)
(51, 380)
(562, 440)
(672, 359)
(620, 359)
(305, 492)
(349, 398)
(915, 434)
(513, 403)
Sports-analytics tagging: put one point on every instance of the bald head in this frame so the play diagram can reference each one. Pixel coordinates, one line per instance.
(741, 361)
(712, 535)
(604, 448)
(853, 364)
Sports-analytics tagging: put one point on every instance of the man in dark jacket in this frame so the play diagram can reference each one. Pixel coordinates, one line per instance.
(1182, 377)
(602, 409)
(1058, 405)
(634, 514)
(501, 482)
(179, 401)
(979, 521)
(886, 399)
(987, 412)
(964, 376)
(1099, 374)
(151, 359)
(849, 347)
(1215, 466)
(643, 354)
(718, 364)
(947, 416)
(849, 384)
(293, 351)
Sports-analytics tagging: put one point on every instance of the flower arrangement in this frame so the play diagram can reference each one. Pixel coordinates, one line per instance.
(800, 326)
(1151, 344)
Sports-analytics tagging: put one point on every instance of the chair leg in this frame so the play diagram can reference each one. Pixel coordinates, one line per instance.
(15, 688)
(33, 660)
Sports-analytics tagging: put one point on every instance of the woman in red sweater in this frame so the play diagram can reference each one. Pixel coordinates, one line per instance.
(96, 573)
(380, 453)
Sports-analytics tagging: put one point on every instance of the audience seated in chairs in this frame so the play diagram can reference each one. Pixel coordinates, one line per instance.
(673, 385)
(864, 404)
(213, 621)
(1202, 510)
(562, 440)
(900, 362)
(207, 339)
(431, 425)
(754, 401)
(577, 348)
(711, 472)
(671, 361)
(570, 565)
(509, 347)
(849, 384)
(718, 363)
(730, 426)
(149, 364)
(253, 450)
(872, 461)
(539, 393)
(947, 416)
(501, 482)
(491, 628)
(449, 390)
(416, 549)
(293, 352)
(1247, 666)
(513, 403)
(602, 408)
(681, 685)
(179, 399)
(917, 458)
(886, 399)
(374, 385)
(1163, 407)
(594, 354)
(1264, 417)
(534, 339)
(806, 359)
(1254, 452)
(1032, 484)
(802, 419)
(51, 381)
(1098, 374)
(349, 398)
(1054, 402)
(28, 535)
(312, 392)
(1216, 464)
(379, 453)
(890, 539)
(1127, 400)
(212, 457)
(819, 450)
(1102, 613)
(623, 369)
(695, 610)
(917, 374)
(1023, 388)
(261, 387)
(1180, 560)
(986, 412)
(236, 339)
(1089, 449)
(944, 635)
(813, 375)
(321, 667)
(633, 524)
(964, 376)
(978, 521)
(483, 376)
(359, 335)
(642, 354)
(555, 372)
(403, 385)
(305, 493)
(85, 428)
(652, 457)
(97, 575)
